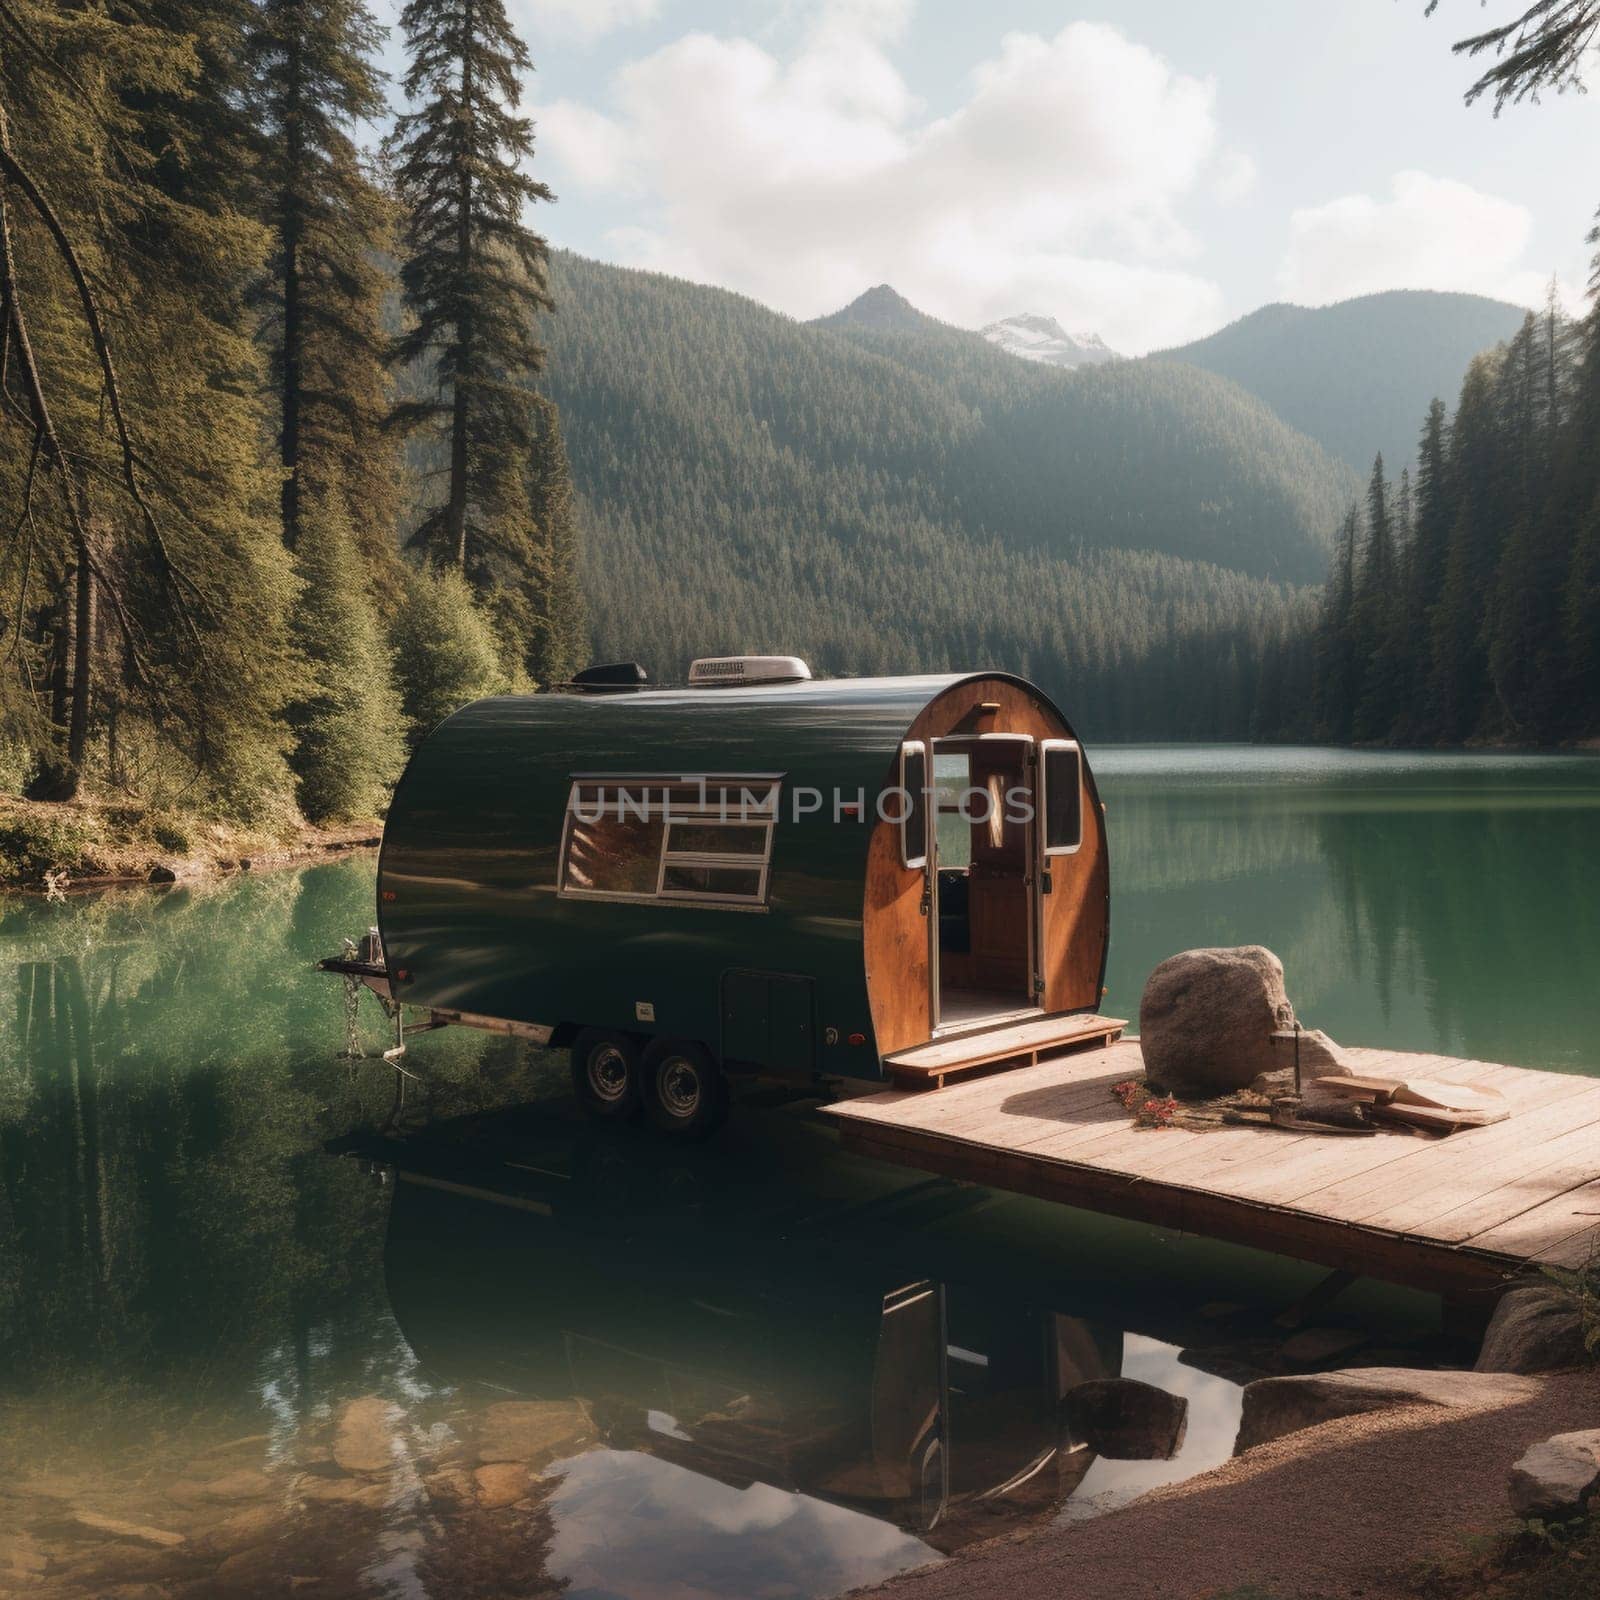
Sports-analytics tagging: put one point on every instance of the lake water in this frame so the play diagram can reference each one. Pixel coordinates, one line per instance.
(499, 1352)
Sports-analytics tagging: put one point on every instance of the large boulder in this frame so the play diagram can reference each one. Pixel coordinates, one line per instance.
(1207, 1018)
(1276, 1406)
(1125, 1420)
(1537, 1329)
(1557, 1480)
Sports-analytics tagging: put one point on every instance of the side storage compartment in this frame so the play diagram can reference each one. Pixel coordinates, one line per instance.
(769, 1020)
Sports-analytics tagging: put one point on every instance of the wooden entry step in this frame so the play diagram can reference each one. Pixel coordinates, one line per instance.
(1017, 1044)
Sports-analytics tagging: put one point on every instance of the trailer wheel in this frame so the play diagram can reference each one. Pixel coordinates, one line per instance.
(685, 1094)
(605, 1074)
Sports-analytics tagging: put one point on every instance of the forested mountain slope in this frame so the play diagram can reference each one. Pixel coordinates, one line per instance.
(900, 500)
(1356, 376)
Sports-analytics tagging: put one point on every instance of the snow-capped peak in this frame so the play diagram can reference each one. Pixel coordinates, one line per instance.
(1039, 338)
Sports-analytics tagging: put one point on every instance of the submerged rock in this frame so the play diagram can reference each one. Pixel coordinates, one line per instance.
(1311, 1347)
(242, 1531)
(361, 1441)
(134, 1532)
(1125, 1420)
(534, 1431)
(1557, 1480)
(1276, 1406)
(501, 1483)
(1537, 1329)
(1207, 1017)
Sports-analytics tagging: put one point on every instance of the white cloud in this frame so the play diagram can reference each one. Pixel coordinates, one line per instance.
(1054, 186)
(583, 20)
(1430, 233)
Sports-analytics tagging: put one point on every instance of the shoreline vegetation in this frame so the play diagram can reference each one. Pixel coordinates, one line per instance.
(57, 848)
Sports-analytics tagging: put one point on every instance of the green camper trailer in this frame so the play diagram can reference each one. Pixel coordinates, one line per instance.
(758, 875)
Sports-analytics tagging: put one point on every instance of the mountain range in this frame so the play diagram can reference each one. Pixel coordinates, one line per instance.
(881, 491)
(1357, 376)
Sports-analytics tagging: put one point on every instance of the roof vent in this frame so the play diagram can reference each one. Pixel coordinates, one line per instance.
(717, 672)
(612, 677)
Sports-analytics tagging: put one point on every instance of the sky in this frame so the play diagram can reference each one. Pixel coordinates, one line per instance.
(1147, 170)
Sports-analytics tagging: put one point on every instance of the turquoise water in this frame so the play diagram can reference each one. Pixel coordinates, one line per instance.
(758, 1369)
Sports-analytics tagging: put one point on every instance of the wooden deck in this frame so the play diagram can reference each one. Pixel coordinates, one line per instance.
(1453, 1215)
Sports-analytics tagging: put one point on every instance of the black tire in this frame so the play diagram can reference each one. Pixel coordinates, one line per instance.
(605, 1074)
(685, 1094)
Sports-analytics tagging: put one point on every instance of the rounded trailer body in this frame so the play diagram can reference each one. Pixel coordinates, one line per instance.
(806, 939)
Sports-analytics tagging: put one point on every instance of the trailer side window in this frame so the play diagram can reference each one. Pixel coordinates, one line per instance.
(1061, 766)
(671, 837)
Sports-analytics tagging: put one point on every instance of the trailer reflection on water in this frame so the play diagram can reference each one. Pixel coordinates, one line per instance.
(752, 1326)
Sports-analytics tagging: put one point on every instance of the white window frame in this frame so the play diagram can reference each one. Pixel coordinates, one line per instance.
(919, 861)
(672, 811)
(1045, 747)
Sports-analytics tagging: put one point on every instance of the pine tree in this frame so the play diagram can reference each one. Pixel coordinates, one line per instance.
(445, 649)
(349, 734)
(1335, 651)
(312, 78)
(1458, 681)
(1375, 617)
(474, 277)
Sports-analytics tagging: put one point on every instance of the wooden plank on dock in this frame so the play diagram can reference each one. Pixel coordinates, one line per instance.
(1023, 1042)
(1453, 1214)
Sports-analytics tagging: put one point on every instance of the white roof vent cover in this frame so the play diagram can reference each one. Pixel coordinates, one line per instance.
(716, 672)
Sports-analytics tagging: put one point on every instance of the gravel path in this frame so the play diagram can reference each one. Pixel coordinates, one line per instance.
(1332, 1513)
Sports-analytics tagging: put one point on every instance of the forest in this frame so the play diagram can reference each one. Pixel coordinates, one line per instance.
(1463, 600)
(228, 333)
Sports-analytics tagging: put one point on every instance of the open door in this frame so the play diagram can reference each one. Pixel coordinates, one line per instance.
(984, 879)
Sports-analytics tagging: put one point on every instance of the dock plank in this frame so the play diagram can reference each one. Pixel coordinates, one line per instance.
(1457, 1214)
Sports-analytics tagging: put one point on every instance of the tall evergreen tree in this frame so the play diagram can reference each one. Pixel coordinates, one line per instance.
(1459, 669)
(474, 277)
(1337, 664)
(165, 615)
(312, 80)
(1376, 617)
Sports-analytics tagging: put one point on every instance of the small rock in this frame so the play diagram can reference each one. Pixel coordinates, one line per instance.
(361, 1441)
(246, 1568)
(1207, 1017)
(501, 1483)
(21, 1559)
(51, 1486)
(1276, 1406)
(1556, 1480)
(342, 1491)
(1311, 1347)
(1320, 1057)
(242, 1530)
(454, 1484)
(245, 1484)
(1125, 1420)
(137, 1532)
(1537, 1329)
(532, 1430)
